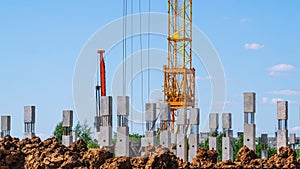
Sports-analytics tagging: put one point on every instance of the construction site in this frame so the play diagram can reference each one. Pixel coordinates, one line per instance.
(172, 136)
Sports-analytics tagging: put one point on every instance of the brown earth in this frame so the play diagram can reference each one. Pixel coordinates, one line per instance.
(49, 154)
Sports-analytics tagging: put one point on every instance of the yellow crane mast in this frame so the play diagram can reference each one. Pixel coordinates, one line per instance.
(179, 74)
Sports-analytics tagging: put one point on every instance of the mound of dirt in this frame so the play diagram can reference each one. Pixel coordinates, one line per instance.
(205, 158)
(285, 159)
(244, 156)
(49, 154)
(117, 163)
(225, 164)
(161, 157)
(33, 154)
(10, 154)
(139, 162)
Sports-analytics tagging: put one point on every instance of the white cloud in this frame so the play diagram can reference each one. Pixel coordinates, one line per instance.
(253, 46)
(285, 92)
(226, 18)
(244, 20)
(277, 69)
(295, 129)
(265, 100)
(282, 67)
(293, 102)
(274, 100)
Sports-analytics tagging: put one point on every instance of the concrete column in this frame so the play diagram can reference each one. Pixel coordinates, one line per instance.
(67, 138)
(282, 116)
(150, 118)
(194, 133)
(227, 149)
(29, 121)
(165, 138)
(293, 140)
(105, 134)
(213, 121)
(174, 142)
(250, 136)
(213, 143)
(213, 125)
(122, 144)
(165, 134)
(181, 135)
(249, 120)
(75, 136)
(264, 142)
(5, 125)
(203, 137)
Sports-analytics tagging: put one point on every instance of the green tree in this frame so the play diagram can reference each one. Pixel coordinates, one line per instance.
(237, 144)
(259, 148)
(220, 135)
(83, 131)
(135, 138)
(297, 153)
(205, 144)
(271, 151)
(58, 132)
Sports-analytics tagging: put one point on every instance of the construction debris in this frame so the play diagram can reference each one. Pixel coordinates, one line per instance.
(49, 154)
(205, 158)
(244, 156)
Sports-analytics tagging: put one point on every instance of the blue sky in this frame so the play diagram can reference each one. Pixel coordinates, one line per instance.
(257, 42)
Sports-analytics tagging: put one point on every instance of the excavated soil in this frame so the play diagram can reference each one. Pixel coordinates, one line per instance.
(49, 154)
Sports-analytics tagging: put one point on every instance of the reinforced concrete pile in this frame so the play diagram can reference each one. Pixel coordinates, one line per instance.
(49, 154)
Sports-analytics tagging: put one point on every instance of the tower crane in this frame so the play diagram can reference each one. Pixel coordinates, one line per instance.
(179, 74)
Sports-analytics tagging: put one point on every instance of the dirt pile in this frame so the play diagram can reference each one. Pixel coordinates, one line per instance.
(205, 158)
(226, 164)
(49, 154)
(244, 157)
(139, 162)
(32, 154)
(117, 163)
(285, 159)
(160, 157)
(10, 154)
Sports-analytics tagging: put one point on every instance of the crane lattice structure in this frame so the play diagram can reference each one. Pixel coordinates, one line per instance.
(179, 74)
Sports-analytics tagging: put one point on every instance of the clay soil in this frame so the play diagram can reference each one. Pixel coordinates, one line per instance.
(49, 154)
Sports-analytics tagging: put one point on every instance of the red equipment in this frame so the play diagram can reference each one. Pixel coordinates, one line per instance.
(102, 73)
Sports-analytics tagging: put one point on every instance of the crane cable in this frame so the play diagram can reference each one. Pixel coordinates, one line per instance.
(142, 76)
(149, 9)
(124, 44)
(131, 69)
